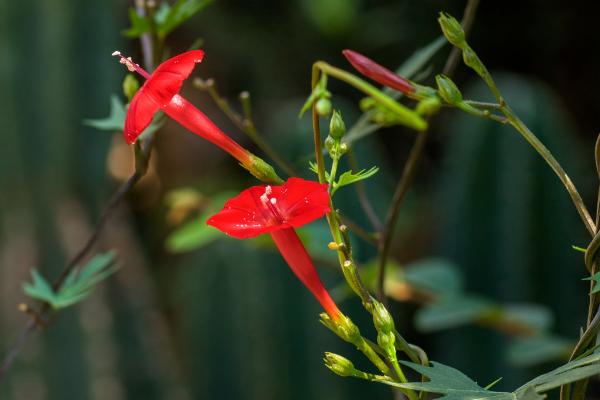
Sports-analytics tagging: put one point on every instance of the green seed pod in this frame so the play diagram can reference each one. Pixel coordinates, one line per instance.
(323, 107)
(448, 90)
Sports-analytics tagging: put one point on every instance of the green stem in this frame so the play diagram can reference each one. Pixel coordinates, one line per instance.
(394, 210)
(334, 166)
(245, 124)
(364, 347)
(409, 117)
(556, 167)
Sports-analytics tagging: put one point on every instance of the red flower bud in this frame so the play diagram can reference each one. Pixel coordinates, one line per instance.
(378, 73)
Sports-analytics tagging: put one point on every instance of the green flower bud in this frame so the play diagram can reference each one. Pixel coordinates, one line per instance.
(330, 145)
(452, 29)
(367, 103)
(337, 128)
(471, 60)
(343, 148)
(382, 318)
(130, 86)
(386, 342)
(339, 365)
(448, 90)
(323, 107)
(428, 106)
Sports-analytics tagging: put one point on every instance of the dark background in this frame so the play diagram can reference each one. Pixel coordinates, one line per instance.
(228, 320)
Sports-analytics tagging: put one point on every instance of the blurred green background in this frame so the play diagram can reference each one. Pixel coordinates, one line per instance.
(227, 320)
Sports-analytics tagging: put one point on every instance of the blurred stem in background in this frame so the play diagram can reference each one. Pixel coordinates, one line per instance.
(403, 185)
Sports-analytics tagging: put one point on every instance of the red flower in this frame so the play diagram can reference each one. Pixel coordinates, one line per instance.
(278, 210)
(378, 73)
(160, 92)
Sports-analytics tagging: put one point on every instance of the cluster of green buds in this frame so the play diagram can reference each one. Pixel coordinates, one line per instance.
(343, 327)
(333, 143)
(454, 32)
(384, 324)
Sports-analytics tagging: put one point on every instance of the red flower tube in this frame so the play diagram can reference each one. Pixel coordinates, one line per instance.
(378, 73)
(278, 210)
(160, 91)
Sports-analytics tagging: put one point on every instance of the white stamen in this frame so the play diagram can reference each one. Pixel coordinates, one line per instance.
(273, 200)
(265, 196)
(116, 53)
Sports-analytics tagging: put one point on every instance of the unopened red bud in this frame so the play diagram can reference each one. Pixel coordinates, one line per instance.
(378, 73)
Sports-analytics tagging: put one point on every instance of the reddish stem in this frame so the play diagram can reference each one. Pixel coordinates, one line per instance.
(294, 253)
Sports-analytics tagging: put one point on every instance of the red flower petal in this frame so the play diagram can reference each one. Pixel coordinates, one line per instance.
(139, 115)
(164, 83)
(377, 72)
(303, 201)
(293, 204)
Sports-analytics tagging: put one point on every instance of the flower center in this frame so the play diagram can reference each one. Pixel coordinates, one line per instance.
(270, 204)
(131, 66)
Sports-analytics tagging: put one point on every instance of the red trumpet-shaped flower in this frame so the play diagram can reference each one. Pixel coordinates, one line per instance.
(378, 73)
(278, 210)
(160, 92)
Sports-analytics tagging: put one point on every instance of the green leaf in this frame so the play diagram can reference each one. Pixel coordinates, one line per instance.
(450, 312)
(419, 59)
(596, 279)
(537, 317)
(39, 289)
(571, 372)
(192, 235)
(450, 383)
(535, 350)
(168, 19)
(435, 275)
(115, 120)
(195, 233)
(348, 178)
(77, 286)
(313, 167)
(139, 25)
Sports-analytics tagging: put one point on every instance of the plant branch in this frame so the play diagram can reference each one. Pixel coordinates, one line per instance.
(410, 166)
(142, 158)
(362, 196)
(394, 210)
(46, 312)
(244, 123)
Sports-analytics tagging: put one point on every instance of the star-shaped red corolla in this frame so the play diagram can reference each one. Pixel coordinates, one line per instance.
(160, 92)
(378, 73)
(277, 210)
